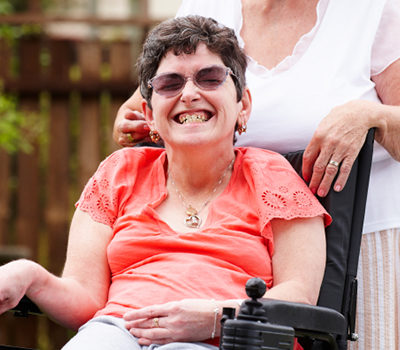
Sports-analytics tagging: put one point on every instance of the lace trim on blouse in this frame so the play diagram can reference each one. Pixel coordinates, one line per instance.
(100, 197)
(282, 194)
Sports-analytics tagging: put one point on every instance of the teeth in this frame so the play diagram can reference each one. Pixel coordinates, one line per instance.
(192, 118)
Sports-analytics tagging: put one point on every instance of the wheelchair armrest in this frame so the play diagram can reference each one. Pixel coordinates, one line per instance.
(304, 317)
(26, 307)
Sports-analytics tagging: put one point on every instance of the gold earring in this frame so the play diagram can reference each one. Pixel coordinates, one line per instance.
(154, 136)
(242, 128)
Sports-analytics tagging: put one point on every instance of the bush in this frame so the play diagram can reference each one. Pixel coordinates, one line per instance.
(17, 129)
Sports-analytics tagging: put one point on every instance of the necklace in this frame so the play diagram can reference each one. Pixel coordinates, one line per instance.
(192, 218)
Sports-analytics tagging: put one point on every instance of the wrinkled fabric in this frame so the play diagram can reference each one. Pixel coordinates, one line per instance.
(152, 264)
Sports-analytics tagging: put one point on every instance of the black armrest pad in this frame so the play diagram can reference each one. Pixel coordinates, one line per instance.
(26, 307)
(304, 317)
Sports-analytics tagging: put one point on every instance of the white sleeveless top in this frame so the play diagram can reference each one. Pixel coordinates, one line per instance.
(330, 65)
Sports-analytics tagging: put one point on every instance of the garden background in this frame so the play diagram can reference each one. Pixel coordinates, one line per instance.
(65, 68)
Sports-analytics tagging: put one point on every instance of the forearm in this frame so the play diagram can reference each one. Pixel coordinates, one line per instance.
(387, 118)
(388, 129)
(63, 299)
(293, 291)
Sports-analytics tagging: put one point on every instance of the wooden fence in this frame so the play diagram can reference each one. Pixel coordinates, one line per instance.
(74, 89)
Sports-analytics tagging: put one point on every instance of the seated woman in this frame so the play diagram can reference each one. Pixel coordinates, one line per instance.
(163, 238)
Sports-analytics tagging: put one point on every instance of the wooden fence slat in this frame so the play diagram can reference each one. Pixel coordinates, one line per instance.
(89, 140)
(28, 211)
(89, 59)
(30, 68)
(27, 231)
(5, 327)
(58, 179)
(61, 53)
(5, 161)
(122, 65)
(57, 204)
(20, 332)
(5, 57)
(34, 6)
(28, 219)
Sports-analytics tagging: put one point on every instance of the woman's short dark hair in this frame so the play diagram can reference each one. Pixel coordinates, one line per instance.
(182, 35)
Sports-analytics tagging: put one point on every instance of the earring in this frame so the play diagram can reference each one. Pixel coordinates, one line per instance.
(242, 128)
(154, 136)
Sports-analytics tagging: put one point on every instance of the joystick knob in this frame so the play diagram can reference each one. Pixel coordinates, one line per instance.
(255, 288)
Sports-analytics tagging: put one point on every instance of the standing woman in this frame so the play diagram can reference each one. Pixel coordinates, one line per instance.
(321, 74)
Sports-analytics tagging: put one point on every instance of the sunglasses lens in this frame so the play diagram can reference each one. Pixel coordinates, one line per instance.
(211, 77)
(168, 84)
(171, 84)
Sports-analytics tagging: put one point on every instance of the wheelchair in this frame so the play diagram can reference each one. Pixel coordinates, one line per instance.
(273, 324)
(264, 324)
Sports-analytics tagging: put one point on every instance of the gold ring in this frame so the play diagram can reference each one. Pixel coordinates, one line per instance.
(155, 323)
(130, 138)
(334, 163)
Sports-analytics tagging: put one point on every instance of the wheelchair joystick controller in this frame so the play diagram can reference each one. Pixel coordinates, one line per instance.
(251, 308)
(250, 330)
(255, 288)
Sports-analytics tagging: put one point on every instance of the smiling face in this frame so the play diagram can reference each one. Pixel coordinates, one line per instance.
(196, 116)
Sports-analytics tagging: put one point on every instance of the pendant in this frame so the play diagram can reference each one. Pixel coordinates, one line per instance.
(192, 219)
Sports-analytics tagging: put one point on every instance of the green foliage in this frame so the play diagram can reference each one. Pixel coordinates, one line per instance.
(18, 130)
(12, 33)
(9, 32)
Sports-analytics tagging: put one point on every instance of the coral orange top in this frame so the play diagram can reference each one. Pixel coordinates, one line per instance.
(151, 263)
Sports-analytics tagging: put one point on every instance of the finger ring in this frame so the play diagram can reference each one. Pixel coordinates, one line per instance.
(334, 163)
(155, 323)
(130, 138)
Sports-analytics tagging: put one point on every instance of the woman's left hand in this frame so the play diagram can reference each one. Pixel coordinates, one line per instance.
(186, 320)
(335, 145)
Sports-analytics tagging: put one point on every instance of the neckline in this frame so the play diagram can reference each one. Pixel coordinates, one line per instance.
(299, 49)
(163, 193)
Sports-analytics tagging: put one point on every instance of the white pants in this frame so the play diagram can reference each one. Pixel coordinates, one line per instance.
(378, 297)
(109, 333)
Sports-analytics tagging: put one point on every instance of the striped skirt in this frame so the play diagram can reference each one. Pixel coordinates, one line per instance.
(378, 303)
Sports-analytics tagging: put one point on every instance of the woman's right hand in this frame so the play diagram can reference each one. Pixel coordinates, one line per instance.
(15, 280)
(130, 127)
